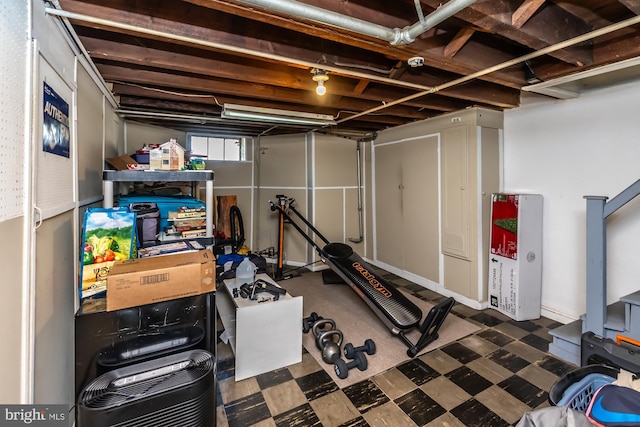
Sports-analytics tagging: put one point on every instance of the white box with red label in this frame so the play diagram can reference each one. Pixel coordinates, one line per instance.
(515, 255)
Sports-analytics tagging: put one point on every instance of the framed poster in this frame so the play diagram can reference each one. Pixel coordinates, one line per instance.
(55, 125)
(54, 141)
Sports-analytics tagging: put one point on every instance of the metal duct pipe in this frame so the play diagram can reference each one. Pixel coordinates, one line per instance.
(395, 36)
(359, 180)
(442, 13)
(314, 13)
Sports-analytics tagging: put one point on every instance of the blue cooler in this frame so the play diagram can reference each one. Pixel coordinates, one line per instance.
(166, 204)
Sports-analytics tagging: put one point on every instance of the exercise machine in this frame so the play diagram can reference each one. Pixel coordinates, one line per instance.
(393, 308)
(279, 275)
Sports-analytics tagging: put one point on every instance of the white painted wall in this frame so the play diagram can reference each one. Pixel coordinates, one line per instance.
(564, 150)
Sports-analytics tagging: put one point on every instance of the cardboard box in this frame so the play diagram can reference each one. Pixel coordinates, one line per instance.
(124, 162)
(140, 281)
(515, 259)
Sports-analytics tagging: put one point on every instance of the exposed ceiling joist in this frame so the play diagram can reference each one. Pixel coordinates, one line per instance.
(459, 40)
(525, 11)
(633, 5)
(192, 56)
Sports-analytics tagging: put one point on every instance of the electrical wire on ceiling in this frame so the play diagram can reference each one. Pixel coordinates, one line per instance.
(324, 60)
(169, 92)
(364, 67)
(337, 116)
(167, 116)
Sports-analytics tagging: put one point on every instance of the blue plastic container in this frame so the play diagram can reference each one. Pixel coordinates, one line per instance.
(578, 395)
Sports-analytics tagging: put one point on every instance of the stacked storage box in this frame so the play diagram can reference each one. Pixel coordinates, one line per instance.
(166, 204)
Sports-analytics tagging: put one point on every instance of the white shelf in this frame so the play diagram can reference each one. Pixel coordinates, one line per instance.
(195, 176)
(263, 335)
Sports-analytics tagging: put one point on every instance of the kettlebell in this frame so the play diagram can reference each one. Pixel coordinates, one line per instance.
(320, 324)
(330, 347)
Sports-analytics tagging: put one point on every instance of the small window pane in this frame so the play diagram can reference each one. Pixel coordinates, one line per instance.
(231, 149)
(216, 149)
(199, 145)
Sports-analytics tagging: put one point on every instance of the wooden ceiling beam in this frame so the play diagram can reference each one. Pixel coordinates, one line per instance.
(459, 40)
(105, 50)
(429, 45)
(360, 87)
(480, 56)
(613, 50)
(155, 104)
(204, 103)
(632, 5)
(549, 26)
(523, 13)
(265, 94)
(149, 104)
(102, 50)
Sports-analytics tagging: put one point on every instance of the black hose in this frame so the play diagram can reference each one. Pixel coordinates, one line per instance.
(236, 216)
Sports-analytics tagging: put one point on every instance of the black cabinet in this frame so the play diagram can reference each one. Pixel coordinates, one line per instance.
(109, 340)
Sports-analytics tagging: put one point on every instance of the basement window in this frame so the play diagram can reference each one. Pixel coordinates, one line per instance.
(216, 148)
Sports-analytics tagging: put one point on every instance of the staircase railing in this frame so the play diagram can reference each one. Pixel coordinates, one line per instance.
(598, 210)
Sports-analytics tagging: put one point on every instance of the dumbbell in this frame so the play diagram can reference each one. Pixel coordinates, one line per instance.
(369, 347)
(342, 368)
(307, 322)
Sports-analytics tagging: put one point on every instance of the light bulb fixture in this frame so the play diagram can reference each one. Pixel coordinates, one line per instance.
(320, 76)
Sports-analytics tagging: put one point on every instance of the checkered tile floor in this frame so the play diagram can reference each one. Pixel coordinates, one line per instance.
(490, 378)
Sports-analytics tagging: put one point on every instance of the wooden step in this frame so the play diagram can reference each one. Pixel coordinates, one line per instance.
(623, 317)
(632, 302)
(617, 319)
(633, 299)
(569, 356)
(566, 342)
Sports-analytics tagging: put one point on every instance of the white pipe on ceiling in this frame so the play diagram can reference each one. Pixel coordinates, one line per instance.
(395, 36)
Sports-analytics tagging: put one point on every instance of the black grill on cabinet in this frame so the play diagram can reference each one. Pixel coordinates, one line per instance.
(171, 391)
